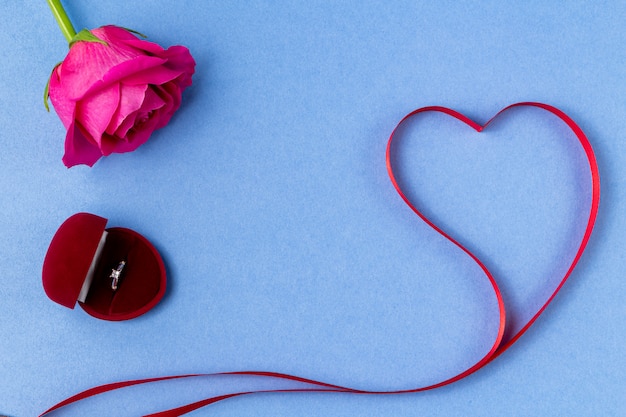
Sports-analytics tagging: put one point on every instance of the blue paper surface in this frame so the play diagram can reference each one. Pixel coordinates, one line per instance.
(286, 246)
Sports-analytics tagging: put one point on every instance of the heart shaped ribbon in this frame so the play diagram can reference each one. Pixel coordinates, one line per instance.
(500, 344)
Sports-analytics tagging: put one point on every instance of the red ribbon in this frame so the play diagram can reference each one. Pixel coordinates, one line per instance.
(500, 343)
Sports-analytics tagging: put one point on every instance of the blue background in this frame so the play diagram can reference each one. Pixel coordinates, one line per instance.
(286, 246)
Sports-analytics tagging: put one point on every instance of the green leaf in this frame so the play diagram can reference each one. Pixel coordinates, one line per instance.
(46, 94)
(46, 91)
(141, 35)
(86, 36)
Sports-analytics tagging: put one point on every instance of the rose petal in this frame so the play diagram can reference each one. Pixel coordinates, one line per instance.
(112, 33)
(63, 105)
(137, 137)
(94, 112)
(79, 149)
(179, 65)
(155, 75)
(108, 144)
(144, 46)
(152, 102)
(171, 94)
(88, 62)
(126, 125)
(88, 81)
(172, 101)
(179, 57)
(120, 35)
(131, 99)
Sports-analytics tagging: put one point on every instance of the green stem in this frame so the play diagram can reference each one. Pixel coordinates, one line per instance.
(64, 22)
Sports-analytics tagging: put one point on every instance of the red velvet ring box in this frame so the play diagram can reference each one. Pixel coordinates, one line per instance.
(80, 267)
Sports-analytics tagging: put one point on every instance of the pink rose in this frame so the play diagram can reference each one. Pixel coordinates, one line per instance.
(111, 96)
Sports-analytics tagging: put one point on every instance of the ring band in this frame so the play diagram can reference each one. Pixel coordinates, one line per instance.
(116, 274)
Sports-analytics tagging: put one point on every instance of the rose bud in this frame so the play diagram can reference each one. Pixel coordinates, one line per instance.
(113, 90)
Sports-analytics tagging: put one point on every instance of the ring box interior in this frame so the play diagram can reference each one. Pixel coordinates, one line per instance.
(81, 258)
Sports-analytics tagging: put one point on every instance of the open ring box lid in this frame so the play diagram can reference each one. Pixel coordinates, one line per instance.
(81, 258)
